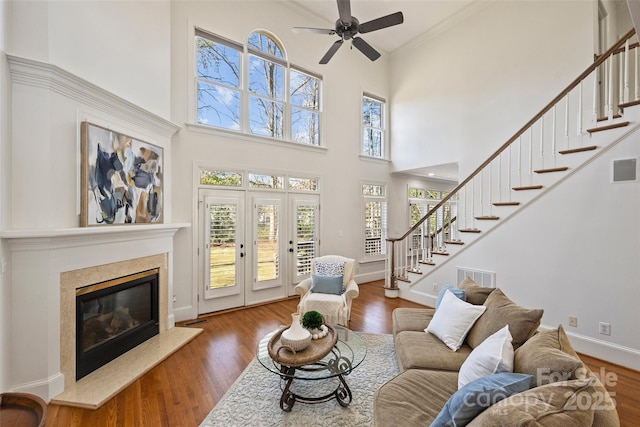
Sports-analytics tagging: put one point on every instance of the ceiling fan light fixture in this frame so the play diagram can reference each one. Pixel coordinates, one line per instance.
(347, 27)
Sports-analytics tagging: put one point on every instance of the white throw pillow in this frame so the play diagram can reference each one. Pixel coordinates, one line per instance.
(492, 356)
(453, 319)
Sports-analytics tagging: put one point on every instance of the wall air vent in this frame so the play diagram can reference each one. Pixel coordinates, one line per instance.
(624, 170)
(483, 278)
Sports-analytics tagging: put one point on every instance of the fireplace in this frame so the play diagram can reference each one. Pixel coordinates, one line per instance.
(114, 316)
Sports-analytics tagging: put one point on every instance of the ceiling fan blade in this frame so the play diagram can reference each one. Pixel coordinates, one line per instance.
(366, 48)
(332, 50)
(380, 23)
(313, 30)
(344, 9)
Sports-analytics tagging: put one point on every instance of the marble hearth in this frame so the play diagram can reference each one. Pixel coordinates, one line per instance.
(47, 266)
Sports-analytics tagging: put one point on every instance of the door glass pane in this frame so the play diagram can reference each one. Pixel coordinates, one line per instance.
(305, 238)
(267, 244)
(222, 245)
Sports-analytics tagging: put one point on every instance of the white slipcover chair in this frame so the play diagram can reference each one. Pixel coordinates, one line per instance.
(336, 309)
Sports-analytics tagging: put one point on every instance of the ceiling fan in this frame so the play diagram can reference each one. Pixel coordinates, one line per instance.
(347, 27)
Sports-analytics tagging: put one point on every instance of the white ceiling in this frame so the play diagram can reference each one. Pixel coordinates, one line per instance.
(419, 17)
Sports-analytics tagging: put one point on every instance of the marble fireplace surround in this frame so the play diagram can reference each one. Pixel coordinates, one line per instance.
(47, 266)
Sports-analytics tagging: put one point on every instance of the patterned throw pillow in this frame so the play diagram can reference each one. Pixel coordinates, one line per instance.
(330, 268)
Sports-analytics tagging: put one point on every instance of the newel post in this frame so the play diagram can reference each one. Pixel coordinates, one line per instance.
(391, 287)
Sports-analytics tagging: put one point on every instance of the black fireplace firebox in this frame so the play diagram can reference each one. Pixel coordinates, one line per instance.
(113, 317)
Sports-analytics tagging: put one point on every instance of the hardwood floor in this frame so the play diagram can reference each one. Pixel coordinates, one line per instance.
(182, 390)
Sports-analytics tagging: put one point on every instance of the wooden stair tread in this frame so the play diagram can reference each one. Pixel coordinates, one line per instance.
(549, 170)
(608, 127)
(469, 230)
(443, 253)
(427, 262)
(579, 149)
(527, 187)
(403, 279)
(615, 116)
(454, 242)
(629, 104)
(506, 203)
(488, 217)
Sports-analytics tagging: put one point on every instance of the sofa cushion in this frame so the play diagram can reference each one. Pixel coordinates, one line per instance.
(453, 320)
(502, 311)
(560, 404)
(411, 319)
(474, 293)
(494, 355)
(413, 398)
(544, 357)
(456, 291)
(417, 350)
(478, 395)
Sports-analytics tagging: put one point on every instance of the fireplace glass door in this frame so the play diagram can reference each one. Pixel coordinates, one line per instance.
(113, 317)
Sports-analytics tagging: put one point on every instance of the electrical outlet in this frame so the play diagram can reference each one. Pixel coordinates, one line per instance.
(604, 328)
(573, 321)
(435, 287)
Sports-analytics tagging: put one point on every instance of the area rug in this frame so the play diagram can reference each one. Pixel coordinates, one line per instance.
(254, 399)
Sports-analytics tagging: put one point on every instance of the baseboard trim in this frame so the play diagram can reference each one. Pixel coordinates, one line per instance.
(614, 353)
(46, 389)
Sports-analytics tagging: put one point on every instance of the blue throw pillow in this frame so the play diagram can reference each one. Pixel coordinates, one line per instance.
(468, 402)
(326, 284)
(456, 291)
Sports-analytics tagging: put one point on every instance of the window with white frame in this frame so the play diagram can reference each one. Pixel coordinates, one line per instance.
(374, 199)
(372, 126)
(264, 95)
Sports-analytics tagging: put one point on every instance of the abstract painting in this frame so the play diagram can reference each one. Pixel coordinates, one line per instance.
(121, 179)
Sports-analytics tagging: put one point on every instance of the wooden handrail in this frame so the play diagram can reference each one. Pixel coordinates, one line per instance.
(522, 130)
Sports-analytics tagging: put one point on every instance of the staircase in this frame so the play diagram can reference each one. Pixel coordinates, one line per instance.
(593, 113)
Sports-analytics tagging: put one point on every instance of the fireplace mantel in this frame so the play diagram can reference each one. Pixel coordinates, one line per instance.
(39, 257)
(70, 236)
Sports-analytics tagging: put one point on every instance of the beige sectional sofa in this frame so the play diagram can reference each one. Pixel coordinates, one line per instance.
(563, 391)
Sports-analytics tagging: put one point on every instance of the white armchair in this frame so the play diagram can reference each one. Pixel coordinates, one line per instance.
(336, 309)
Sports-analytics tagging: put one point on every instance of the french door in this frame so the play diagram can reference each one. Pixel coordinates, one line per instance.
(253, 247)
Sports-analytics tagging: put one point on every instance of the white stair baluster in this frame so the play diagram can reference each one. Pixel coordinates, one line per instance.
(626, 72)
(610, 89)
(579, 131)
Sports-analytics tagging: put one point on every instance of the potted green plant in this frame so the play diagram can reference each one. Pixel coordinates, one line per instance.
(312, 320)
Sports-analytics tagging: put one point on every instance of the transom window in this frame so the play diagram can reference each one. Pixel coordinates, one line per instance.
(227, 178)
(372, 126)
(264, 95)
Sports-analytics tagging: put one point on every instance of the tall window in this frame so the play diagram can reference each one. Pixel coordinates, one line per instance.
(219, 81)
(305, 108)
(266, 86)
(375, 220)
(270, 98)
(372, 126)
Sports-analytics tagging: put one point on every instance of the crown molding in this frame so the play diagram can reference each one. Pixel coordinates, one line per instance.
(30, 72)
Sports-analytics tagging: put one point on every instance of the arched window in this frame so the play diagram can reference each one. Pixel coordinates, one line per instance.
(271, 98)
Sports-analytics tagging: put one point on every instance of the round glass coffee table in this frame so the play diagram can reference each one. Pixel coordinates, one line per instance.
(320, 380)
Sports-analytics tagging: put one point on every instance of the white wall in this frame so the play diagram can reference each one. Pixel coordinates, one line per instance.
(339, 166)
(5, 128)
(459, 94)
(121, 46)
(574, 251)
(118, 47)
